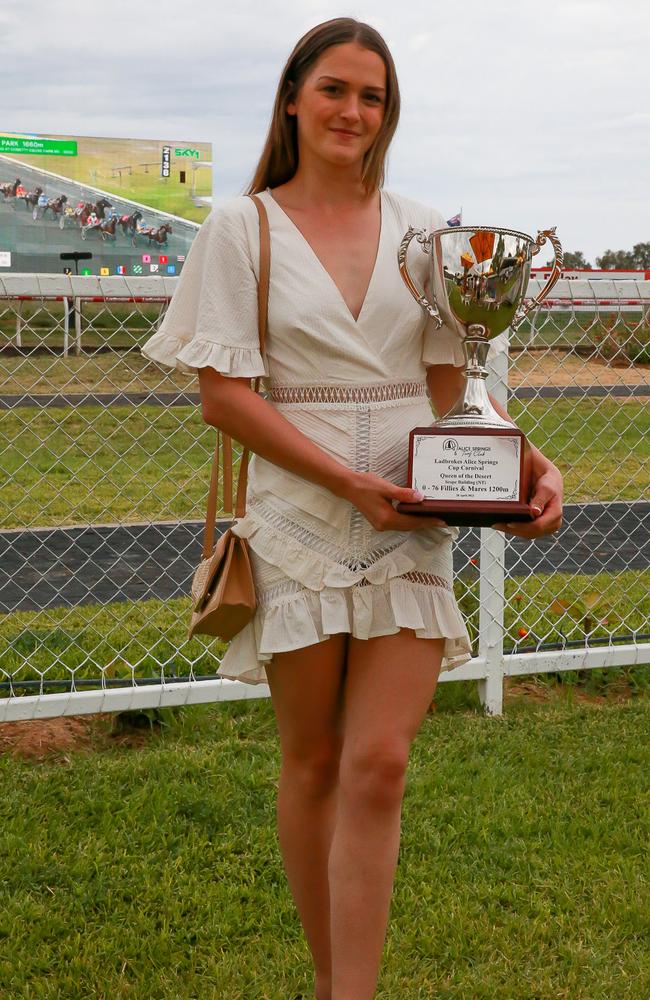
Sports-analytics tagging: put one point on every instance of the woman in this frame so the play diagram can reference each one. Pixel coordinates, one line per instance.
(356, 614)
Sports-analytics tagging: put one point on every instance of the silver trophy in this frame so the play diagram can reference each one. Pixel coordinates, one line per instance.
(470, 463)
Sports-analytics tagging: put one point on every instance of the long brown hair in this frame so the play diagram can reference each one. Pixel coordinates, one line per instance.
(279, 160)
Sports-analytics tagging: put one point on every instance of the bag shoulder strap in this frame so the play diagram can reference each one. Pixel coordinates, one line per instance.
(262, 320)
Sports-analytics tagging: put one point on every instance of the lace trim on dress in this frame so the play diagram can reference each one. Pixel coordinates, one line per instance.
(378, 392)
(267, 595)
(322, 564)
(350, 557)
(415, 576)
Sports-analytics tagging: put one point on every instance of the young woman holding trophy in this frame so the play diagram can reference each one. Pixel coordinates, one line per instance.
(356, 614)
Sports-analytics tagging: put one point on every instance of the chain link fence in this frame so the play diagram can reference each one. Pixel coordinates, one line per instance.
(105, 464)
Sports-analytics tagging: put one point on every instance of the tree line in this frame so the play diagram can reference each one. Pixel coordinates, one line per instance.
(636, 259)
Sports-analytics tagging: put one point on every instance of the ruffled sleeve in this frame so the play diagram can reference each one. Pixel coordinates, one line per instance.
(212, 317)
(443, 345)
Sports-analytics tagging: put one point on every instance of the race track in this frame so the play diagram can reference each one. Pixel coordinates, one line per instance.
(97, 564)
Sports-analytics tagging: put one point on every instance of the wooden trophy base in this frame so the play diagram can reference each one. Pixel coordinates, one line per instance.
(469, 513)
(464, 470)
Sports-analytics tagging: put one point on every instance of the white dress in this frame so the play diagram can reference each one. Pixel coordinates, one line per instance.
(355, 388)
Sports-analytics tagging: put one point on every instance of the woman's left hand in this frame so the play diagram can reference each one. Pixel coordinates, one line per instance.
(545, 501)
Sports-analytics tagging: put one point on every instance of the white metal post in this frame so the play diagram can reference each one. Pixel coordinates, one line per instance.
(66, 325)
(77, 325)
(492, 578)
(19, 323)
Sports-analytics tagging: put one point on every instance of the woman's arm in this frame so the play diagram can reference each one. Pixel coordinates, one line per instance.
(233, 406)
(445, 384)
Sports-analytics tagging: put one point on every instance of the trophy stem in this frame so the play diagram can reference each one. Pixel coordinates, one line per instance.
(474, 401)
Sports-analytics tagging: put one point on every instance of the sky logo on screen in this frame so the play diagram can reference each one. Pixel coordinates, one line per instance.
(120, 269)
(153, 268)
(146, 258)
(137, 268)
(171, 269)
(163, 259)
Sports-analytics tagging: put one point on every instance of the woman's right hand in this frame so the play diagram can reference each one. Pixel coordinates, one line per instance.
(374, 497)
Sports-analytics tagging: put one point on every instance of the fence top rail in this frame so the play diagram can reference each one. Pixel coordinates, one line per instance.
(88, 298)
(49, 286)
(594, 292)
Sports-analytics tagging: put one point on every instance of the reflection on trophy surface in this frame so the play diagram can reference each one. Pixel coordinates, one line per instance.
(479, 278)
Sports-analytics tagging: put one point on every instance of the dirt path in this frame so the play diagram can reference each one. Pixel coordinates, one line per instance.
(537, 368)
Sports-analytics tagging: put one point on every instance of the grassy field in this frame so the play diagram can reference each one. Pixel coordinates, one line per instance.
(117, 325)
(150, 636)
(152, 869)
(584, 329)
(109, 372)
(104, 465)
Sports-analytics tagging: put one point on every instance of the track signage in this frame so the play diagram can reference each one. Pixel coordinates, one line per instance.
(44, 147)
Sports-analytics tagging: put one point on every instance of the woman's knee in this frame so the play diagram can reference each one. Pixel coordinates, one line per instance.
(375, 774)
(313, 770)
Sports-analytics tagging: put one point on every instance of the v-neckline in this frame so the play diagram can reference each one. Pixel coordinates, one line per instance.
(322, 266)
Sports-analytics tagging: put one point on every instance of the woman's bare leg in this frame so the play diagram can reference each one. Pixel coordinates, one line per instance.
(306, 686)
(389, 685)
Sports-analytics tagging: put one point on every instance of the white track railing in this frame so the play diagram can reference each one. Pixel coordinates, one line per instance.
(105, 462)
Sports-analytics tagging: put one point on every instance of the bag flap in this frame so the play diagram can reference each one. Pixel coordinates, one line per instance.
(208, 569)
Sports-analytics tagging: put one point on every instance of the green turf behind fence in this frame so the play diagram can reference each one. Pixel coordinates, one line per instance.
(87, 465)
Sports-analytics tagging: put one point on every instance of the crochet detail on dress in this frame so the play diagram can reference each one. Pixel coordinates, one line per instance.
(362, 463)
(318, 564)
(268, 595)
(378, 392)
(415, 576)
(351, 557)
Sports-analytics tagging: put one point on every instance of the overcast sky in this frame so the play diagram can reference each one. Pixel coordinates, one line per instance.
(526, 114)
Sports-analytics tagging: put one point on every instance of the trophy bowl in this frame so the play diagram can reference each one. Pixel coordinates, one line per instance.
(470, 464)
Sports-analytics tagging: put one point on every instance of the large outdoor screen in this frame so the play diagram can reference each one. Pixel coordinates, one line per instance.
(135, 204)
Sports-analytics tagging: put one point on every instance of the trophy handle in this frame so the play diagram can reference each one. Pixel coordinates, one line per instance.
(542, 236)
(425, 244)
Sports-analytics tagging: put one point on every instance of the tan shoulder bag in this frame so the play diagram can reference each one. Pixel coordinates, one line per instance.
(223, 592)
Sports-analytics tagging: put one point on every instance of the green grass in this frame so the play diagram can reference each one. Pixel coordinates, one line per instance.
(101, 372)
(578, 329)
(121, 638)
(557, 608)
(113, 324)
(96, 464)
(105, 465)
(149, 638)
(129, 874)
(600, 445)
